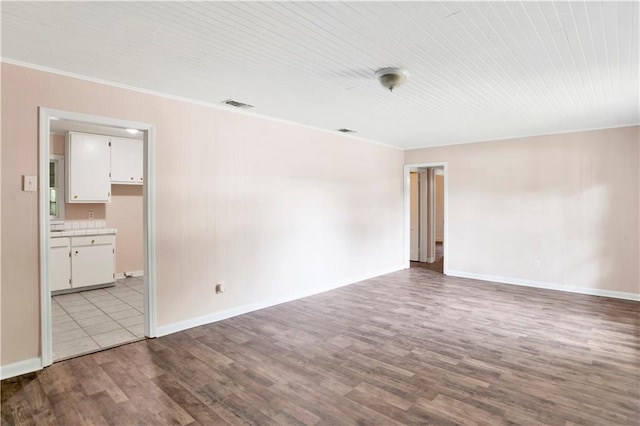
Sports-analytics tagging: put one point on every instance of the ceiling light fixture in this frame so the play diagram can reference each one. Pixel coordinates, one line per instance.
(390, 78)
(132, 131)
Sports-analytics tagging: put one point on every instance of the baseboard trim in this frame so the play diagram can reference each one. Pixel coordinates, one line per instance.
(20, 367)
(547, 286)
(245, 309)
(121, 275)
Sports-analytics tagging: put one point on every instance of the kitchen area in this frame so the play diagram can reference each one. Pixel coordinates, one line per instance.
(96, 266)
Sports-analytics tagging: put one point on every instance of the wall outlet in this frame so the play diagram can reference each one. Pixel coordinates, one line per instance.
(537, 264)
(92, 214)
(219, 288)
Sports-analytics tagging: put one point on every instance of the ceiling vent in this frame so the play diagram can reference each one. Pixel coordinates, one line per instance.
(345, 130)
(237, 104)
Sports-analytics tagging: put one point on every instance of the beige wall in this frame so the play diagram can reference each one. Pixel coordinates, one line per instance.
(124, 213)
(56, 144)
(266, 207)
(568, 200)
(1, 146)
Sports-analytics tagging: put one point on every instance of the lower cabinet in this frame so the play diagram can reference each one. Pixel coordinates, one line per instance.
(83, 261)
(59, 264)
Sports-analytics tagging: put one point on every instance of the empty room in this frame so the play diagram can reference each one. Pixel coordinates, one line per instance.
(320, 213)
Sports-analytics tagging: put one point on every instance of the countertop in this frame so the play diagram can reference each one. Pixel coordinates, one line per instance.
(77, 232)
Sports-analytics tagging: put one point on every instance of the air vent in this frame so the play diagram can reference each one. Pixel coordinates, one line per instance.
(345, 130)
(237, 104)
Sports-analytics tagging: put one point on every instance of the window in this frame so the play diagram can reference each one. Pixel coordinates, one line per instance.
(56, 187)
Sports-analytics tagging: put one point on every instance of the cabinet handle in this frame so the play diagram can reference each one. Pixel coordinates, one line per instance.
(93, 241)
(75, 196)
(76, 251)
(131, 177)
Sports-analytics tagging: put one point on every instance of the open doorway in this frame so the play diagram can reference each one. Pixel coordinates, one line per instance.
(425, 216)
(96, 233)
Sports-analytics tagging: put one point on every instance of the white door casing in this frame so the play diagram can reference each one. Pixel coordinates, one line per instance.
(44, 127)
(415, 217)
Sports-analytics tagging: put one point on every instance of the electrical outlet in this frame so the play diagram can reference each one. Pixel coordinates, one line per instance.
(537, 264)
(92, 214)
(219, 288)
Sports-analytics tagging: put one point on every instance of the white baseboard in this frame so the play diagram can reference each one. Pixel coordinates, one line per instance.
(20, 367)
(219, 316)
(121, 275)
(548, 286)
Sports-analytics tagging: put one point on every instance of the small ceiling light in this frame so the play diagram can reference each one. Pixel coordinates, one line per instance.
(132, 131)
(390, 78)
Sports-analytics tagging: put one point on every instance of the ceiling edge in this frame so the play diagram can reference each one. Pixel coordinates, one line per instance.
(36, 67)
(533, 135)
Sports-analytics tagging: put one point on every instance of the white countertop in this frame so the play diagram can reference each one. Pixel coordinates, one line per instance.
(88, 231)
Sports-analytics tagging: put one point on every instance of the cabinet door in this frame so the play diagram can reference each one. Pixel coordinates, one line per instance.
(59, 264)
(126, 161)
(92, 260)
(88, 166)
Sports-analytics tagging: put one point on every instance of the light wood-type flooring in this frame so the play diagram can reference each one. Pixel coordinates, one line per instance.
(437, 265)
(411, 347)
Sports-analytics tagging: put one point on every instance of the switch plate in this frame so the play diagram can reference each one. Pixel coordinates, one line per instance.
(29, 183)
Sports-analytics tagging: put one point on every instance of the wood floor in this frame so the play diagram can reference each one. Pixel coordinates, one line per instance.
(412, 347)
(437, 265)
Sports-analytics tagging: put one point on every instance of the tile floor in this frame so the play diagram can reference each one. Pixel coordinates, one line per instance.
(97, 319)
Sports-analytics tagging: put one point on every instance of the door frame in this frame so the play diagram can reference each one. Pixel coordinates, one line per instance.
(407, 212)
(149, 220)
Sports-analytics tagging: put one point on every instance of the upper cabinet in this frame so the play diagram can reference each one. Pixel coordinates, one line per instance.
(88, 165)
(94, 162)
(126, 161)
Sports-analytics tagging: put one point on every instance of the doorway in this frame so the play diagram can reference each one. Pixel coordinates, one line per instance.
(108, 303)
(425, 216)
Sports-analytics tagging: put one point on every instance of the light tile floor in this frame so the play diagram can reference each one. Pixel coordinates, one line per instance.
(92, 320)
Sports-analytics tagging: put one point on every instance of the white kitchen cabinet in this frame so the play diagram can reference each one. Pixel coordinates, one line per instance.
(88, 167)
(92, 260)
(126, 161)
(59, 264)
(79, 262)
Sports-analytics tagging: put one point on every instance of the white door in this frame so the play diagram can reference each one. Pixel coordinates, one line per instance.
(59, 264)
(415, 216)
(92, 260)
(126, 161)
(88, 168)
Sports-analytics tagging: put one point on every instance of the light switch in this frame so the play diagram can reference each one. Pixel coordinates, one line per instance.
(29, 183)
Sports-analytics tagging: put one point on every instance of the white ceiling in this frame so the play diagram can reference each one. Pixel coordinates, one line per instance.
(478, 70)
(61, 127)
